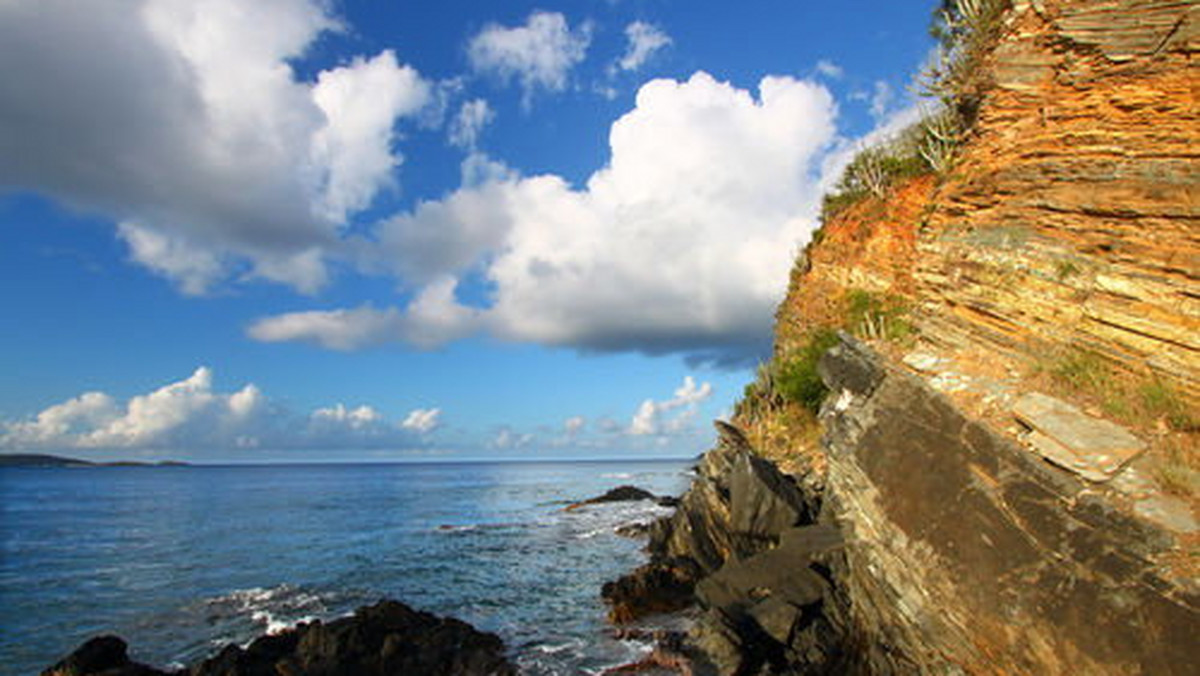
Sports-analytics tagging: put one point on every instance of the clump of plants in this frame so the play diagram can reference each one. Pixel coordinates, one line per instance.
(1161, 401)
(1175, 474)
(966, 30)
(875, 169)
(1141, 401)
(788, 380)
(877, 316)
(797, 379)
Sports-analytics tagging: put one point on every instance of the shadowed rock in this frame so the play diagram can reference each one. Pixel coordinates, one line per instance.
(386, 639)
(102, 655)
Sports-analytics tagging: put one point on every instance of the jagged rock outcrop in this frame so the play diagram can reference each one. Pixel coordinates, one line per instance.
(967, 553)
(743, 544)
(386, 639)
(1072, 217)
(932, 546)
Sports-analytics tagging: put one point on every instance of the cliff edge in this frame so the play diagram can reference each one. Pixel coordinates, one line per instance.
(975, 448)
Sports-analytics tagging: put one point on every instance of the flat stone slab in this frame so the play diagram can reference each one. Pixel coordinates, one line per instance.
(925, 362)
(1093, 448)
(1171, 513)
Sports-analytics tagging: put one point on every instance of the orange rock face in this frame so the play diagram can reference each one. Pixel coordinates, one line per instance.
(1072, 216)
(869, 246)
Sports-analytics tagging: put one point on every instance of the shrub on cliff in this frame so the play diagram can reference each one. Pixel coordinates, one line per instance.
(797, 379)
(877, 316)
(965, 30)
(875, 169)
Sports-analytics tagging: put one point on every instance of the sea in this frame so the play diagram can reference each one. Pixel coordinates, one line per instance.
(181, 561)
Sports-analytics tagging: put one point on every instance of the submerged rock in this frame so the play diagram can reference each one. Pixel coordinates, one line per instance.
(386, 639)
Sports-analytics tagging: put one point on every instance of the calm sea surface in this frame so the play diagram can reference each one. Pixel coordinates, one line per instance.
(181, 560)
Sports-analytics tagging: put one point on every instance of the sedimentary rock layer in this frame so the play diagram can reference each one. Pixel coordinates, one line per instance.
(931, 545)
(1072, 217)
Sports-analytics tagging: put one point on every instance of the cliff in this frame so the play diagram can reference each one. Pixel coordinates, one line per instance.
(993, 470)
(1072, 215)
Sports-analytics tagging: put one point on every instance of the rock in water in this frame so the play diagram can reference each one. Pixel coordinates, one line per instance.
(101, 655)
(618, 494)
(386, 639)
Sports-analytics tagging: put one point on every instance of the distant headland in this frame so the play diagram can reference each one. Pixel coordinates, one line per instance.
(42, 460)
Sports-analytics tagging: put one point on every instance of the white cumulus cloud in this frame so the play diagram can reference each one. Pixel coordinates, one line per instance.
(881, 99)
(829, 69)
(468, 124)
(682, 243)
(539, 54)
(361, 102)
(574, 425)
(645, 40)
(361, 417)
(184, 121)
(433, 318)
(422, 420)
(191, 415)
(652, 417)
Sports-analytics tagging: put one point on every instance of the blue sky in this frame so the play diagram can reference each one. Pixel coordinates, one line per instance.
(362, 230)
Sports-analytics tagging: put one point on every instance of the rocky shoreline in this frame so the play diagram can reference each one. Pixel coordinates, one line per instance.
(384, 639)
(928, 544)
(744, 546)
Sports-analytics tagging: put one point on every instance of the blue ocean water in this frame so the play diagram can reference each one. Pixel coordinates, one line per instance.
(182, 560)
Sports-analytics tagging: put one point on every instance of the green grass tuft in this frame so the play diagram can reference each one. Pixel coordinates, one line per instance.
(798, 380)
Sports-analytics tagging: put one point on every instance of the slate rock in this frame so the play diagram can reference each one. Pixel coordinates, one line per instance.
(661, 586)
(850, 365)
(763, 502)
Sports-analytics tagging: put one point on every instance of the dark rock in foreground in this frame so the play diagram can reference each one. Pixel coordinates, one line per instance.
(105, 655)
(661, 586)
(386, 639)
(929, 545)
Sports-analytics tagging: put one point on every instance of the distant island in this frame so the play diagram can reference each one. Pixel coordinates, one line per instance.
(42, 460)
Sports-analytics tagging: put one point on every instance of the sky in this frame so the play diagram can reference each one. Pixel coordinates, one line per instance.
(362, 230)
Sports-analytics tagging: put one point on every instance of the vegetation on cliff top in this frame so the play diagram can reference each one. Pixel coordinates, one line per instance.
(966, 30)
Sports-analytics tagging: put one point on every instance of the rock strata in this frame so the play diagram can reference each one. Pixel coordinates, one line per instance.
(741, 545)
(1071, 218)
(386, 639)
(932, 546)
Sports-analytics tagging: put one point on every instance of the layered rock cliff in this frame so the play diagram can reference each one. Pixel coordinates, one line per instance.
(1072, 215)
(1002, 476)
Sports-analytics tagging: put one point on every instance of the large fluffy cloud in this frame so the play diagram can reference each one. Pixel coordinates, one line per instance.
(183, 120)
(189, 415)
(682, 243)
